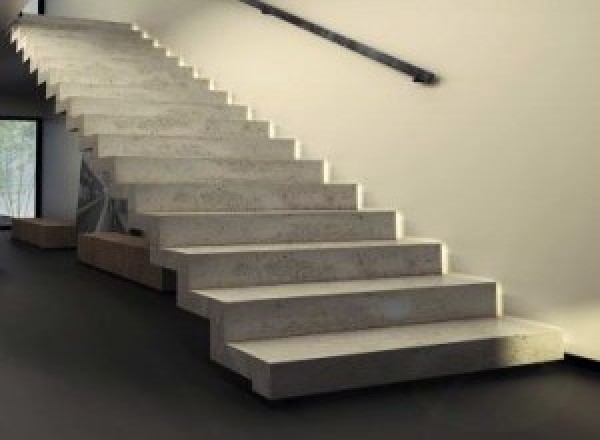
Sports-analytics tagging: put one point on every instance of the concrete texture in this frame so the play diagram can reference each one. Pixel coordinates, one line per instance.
(189, 94)
(78, 106)
(301, 365)
(178, 125)
(231, 219)
(124, 169)
(500, 159)
(238, 196)
(173, 229)
(184, 146)
(259, 265)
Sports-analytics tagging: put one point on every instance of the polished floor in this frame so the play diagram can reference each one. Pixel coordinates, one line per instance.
(86, 356)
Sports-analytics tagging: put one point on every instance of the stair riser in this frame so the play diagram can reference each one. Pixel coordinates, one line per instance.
(275, 149)
(81, 106)
(91, 63)
(268, 228)
(284, 317)
(68, 23)
(236, 197)
(299, 266)
(75, 70)
(41, 34)
(171, 79)
(182, 171)
(340, 373)
(149, 52)
(53, 43)
(186, 95)
(170, 126)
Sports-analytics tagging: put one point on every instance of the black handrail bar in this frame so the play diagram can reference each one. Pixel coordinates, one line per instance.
(419, 75)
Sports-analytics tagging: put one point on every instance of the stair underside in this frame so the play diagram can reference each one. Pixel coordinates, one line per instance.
(305, 291)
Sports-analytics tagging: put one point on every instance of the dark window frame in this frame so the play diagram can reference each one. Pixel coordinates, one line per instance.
(39, 156)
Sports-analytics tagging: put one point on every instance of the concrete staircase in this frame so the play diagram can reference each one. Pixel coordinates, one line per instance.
(306, 291)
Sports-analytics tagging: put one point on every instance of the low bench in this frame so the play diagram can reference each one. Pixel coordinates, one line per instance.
(45, 233)
(124, 255)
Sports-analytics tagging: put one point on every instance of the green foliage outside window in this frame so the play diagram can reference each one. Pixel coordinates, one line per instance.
(17, 168)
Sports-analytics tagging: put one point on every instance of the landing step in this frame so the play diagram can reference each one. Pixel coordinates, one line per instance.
(302, 365)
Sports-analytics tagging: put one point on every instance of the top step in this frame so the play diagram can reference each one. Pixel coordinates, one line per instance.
(44, 21)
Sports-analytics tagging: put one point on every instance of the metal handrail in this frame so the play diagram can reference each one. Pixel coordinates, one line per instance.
(418, 74)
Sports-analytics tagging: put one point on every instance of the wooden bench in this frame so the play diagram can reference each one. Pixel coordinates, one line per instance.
(126, 256)
(45, 233)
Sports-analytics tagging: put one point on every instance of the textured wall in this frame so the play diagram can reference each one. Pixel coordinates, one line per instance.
(500, 160)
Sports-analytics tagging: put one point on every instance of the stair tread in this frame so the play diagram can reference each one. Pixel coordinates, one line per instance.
(192, 83)
(155, 103)
(314, 289)
(281, 212)
(275, 247)
(35, 19)
(318, 346)
(139, 159)
(186, 137)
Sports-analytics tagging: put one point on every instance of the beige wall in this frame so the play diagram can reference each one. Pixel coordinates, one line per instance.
(500, 160)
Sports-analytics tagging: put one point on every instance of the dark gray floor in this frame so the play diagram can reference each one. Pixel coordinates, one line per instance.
(87, 356)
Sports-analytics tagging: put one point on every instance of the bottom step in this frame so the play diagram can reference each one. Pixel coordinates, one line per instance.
(303, 365)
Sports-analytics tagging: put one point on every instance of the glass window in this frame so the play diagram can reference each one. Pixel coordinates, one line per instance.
(32, 7)
(18, 151)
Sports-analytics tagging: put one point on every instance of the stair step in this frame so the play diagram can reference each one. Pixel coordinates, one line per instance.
(235, 196)
(302, 365)
(177, 125)
(105, 145)
(306, 293)
(88, 34)
(204, 267)
(63, 23)
(52, 43)
(185, 170)
(99, 52)
(173, 78)
(90, 63)
(247, 313)
(78, 106)
(216, 228)
(197, 93)
(115, 66)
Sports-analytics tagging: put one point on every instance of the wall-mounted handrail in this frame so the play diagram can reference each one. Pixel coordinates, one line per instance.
(418, 74)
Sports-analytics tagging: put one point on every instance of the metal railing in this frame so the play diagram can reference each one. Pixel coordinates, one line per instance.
(418, 74)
